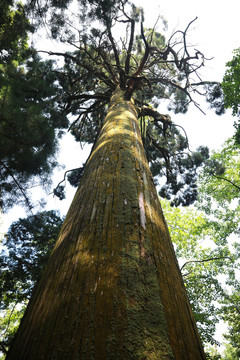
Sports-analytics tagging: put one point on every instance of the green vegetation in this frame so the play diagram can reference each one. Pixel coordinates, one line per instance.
(30, 117)
(230, 86)
(26, 249)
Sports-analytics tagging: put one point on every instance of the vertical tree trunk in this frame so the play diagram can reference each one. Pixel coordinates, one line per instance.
(112, 288)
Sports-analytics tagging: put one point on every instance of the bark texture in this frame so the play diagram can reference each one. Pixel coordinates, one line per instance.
(112, 288)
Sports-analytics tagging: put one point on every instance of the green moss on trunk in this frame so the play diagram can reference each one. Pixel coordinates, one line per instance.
(112, 288)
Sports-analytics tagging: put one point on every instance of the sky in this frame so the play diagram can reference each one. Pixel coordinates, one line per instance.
(215, 33)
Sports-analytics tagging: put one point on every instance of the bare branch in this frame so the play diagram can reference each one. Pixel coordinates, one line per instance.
(130, 46)
(115, 51)
(147, 111)
(108, 66)
(133, 84)
(85, 97)
(185, 33)
(64, 178)
(87, 67)
(97, 105)
(206, 83)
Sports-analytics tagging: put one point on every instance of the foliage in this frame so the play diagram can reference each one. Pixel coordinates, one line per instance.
(9, 322)
(220, 200)
(232, 316)
(29, 116)
(226, 95)
(220, 190)
(202, 260)
(175, 164)
(216, 98)
(26, 248)
(55, 13)
(231, 83)
(230, 353)
(29, 119)
(14, 27)
(231, 86)
(212, 238)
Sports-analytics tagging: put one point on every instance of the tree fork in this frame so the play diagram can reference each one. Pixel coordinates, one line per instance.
(112, 288)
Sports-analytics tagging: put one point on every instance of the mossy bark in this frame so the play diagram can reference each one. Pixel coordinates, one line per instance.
(112, 288)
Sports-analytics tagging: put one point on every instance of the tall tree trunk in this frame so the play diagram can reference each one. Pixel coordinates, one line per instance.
(112, 288)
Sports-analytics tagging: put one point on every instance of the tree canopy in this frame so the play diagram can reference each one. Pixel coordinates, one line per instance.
(30, 117)
(50, 96)
(14, 26)
(146, 66)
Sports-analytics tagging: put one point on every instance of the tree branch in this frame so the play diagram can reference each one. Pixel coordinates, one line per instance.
(229, 181)
(205, 260)
(97, 105)
(133, 82)
(86, 97)
(22, 190)
(99, 74)
(130, 46)
(115, 51)
(147, 111)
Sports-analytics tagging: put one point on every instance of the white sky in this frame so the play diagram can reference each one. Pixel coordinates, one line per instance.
(216, 34)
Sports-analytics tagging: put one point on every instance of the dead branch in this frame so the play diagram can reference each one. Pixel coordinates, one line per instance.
(133, 84)
(147, 111)
(97, 105)
(102, 76)
(117, 60)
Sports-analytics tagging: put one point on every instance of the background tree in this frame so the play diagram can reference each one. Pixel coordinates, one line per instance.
(226, 95)
(204, 260)
(14, 31)
(230, 88)
(232, 316)
(219, 194)
(26, 249)
(219, 198)
(29, 117)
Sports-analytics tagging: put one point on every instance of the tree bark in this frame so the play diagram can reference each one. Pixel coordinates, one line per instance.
(112, 288)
